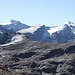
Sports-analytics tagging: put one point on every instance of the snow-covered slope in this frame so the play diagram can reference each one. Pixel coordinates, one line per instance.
(61, 34)
(34, 32)
(31, 29)
(72, 26)
(62, 27)
(14, 25)
(8, 30)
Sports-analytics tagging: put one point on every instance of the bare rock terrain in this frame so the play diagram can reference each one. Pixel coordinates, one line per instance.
(29, 57)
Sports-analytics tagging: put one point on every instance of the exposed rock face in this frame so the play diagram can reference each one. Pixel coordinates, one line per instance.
(37, 58)
(5, 34)
(64, 33)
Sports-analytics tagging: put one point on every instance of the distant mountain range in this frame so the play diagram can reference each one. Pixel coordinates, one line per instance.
(59, 34)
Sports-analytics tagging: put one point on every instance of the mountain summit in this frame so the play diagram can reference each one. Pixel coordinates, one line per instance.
(68, 22)
(20, 55)
(59, 34)
(14, 21)
(14, 25)
(62, 34)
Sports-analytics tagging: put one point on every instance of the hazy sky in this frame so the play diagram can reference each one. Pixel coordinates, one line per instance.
(31, 12)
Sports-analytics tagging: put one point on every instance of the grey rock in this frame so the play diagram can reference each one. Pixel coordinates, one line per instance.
(29, 57)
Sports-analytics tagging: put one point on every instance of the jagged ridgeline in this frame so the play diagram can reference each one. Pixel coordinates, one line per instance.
(64, 33)
(37, 50)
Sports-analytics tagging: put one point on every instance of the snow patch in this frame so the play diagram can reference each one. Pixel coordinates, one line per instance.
(15, 39)
(56, 29)
(69, 23)
(31, 29)
(6, 23)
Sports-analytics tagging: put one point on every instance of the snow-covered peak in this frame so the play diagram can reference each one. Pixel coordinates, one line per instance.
(10, 22)
(31, 29)
(14, 21)
(69, 23)
(39, 25)
(57, 29)
(14, 25)
(72, 26)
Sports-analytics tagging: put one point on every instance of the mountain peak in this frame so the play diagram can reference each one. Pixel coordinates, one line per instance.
(10, 22)
(14, 21)
(69, 22)
(40, 25)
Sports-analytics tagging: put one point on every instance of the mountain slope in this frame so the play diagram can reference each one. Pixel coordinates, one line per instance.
(16, 38)
(37, 58)
(58, 34)
(4, 34)
(61, 34)
(34, 32)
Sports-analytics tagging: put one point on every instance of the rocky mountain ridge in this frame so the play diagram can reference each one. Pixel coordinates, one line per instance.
(48, 54)
(59, 34)
(28, 57)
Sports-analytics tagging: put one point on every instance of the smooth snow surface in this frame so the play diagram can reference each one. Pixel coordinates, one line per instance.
(56, 29)
(31, 29)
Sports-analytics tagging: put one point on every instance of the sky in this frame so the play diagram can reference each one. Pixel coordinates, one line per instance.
(32, 12)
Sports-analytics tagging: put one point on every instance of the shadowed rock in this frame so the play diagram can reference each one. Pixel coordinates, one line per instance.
(24, 55)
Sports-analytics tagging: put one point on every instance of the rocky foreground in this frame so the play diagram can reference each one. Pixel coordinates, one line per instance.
(37, 58)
